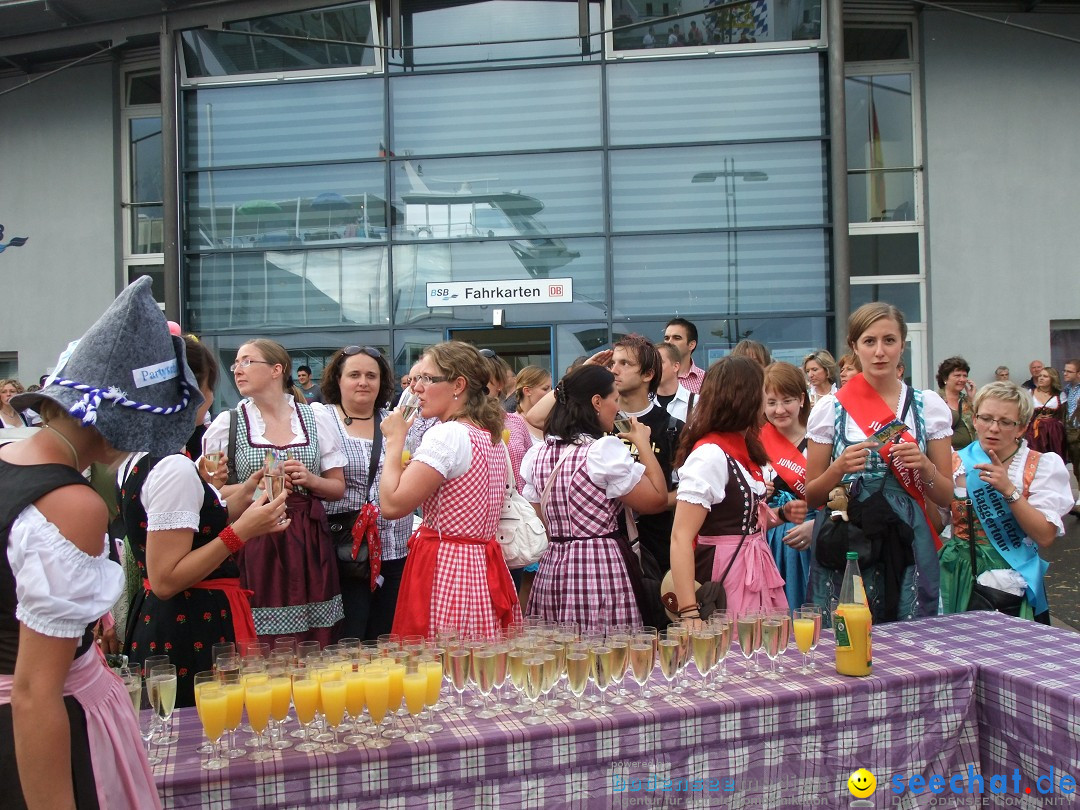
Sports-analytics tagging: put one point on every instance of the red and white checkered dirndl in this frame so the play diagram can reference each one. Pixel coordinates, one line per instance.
(468, 506)
(582, 576)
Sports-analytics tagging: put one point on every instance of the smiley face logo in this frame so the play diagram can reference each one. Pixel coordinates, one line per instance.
(862, 783)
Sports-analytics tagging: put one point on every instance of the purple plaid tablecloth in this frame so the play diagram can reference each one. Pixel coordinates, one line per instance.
(1028, 692)
(777, 744)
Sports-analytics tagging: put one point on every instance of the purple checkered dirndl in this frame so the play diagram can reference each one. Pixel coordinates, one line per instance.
(582, 576)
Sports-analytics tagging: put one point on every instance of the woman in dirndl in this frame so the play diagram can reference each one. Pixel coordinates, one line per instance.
(721, 502)
(293, 575)
(455, 577)
(68, 736)
(1031, 490)
(179, 536)
(581, 479)
(784, 438)
(911, 470)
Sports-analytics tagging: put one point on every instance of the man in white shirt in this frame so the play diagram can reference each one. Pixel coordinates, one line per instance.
(683, 335)
(671, 395)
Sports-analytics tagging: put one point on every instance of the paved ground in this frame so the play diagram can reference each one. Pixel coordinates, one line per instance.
(1063, 578)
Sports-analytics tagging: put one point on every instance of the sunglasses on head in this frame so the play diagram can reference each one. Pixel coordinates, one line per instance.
(350, 351)
(488, 353)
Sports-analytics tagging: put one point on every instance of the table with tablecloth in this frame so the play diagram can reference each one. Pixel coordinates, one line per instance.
(786, 743)
(1028, 691)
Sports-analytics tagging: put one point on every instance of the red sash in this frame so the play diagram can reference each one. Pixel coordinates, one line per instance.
(366, 529)
(786, 459)
(869, 411)
(734, 444)
(239, 606)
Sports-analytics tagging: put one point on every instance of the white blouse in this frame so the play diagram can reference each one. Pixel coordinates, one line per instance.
(172, 494)
(937, 419)
(60, 589)
(330, 452)
(446, 448)
(703, 477)
(608, 464)
(1050, 490)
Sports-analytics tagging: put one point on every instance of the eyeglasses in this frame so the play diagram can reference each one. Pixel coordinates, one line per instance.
(488, 353)
(1004, 424)
(427, 379)
(246, 363)
(350, 351)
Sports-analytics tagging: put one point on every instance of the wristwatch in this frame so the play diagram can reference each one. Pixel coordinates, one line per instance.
(1015, 495)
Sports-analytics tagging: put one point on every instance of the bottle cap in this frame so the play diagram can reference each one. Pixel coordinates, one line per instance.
(853, 555)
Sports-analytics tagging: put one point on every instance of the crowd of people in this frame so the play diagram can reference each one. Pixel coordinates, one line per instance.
(315, 515)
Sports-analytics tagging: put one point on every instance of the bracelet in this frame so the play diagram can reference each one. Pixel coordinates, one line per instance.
(696, 615)
(689, 608)
(780, 512)
(930, 480)
(231, 540)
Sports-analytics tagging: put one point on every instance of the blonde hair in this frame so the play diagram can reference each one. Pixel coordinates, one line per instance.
(1009, 392)
(457, 359)
(824, 359)
(529, 377)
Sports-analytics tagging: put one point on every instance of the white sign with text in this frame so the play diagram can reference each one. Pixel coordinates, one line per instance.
(496, 293)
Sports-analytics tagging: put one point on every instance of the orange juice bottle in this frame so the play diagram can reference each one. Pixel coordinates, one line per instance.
(852, 623)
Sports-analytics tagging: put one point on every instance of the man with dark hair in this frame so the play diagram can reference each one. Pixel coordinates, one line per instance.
(307, 385)
(636, 364)
(682, 334)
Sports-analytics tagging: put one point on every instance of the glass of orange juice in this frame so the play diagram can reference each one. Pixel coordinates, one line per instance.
(414, 685)
(212, 710)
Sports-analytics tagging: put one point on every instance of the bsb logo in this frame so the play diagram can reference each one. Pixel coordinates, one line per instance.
(16, 241)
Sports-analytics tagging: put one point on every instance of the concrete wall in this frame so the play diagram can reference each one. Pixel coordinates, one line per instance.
(1002, 125)
(58, 168)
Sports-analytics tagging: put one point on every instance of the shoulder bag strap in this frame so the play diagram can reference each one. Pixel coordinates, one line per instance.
(373, 462)
(971, 540)
(231, 447)
(551, 478)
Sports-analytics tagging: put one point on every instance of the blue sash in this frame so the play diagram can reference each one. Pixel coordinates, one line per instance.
(1001, 528)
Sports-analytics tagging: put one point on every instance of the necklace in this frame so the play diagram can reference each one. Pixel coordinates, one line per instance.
(1005, 461)
(71, 447)
(349, 419)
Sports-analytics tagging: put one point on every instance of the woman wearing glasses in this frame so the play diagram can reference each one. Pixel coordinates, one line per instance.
(356, 387)
(455, 576)
(293, 574)
(1021, 495)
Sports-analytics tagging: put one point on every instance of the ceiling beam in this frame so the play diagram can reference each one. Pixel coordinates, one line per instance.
(63, 13)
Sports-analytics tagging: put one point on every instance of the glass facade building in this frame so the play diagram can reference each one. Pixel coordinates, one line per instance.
(337, 166)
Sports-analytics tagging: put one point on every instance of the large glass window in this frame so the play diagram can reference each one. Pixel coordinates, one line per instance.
(881, 148)
(885, 254)
(290, 123)
(555, 108)
(758, 97)
(749, 272)
(286, 206)
(485, 31)
(692, 188)
(528, 196)
(317, 40)
(420, 263)
(282, 288)
(145, 200)
(658, 24)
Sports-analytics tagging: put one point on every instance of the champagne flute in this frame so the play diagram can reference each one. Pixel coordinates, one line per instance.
(212, 461)
(433, 671)
(770, 642)
(305, 694)
(578, 667)
(703, 647)
(622, 423)
(211, 706)
(601, 671)
(233, 686)
(516, 664)
(258, 697)
(148, 725)
(354, 705)
(410, 402)
(459, 677)
(483, 675)
(534, 684)
(332, 692)
(415, 687)
(202, 680)
(280, 701)
(668, 650)
(785, 637)
(620, 649)
(148, 664)
(377, 696)
(722, 624)
(396, 694)
(224, 648)
(164, 681)
(642, 662)
(749, 627)
(803, 625)
(682, 633)
(816, 612)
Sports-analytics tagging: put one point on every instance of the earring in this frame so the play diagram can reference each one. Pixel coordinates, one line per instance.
(455, 397)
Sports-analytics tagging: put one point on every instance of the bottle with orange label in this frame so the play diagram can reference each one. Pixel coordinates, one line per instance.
(852, 623)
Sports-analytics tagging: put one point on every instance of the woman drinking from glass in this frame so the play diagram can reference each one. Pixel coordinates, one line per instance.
(356, 386)
(1020, 494)
(589, 574)
(910, 466)
(294, 574)
(455, 576)
(784, 438)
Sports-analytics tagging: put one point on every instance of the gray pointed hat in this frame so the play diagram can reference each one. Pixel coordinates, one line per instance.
(127, 377)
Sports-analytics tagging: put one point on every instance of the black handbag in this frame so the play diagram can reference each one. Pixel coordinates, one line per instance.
(341, 525)
(985, 597)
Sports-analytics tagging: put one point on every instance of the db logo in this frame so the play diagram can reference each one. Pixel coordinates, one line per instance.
(555, 289)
